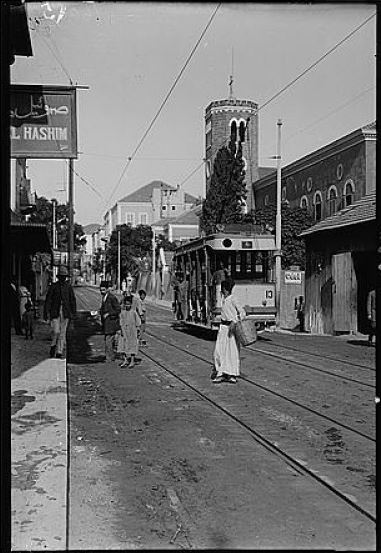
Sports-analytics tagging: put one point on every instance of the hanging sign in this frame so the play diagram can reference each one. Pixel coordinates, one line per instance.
(43, 121)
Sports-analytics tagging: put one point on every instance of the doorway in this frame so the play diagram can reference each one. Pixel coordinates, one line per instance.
(365, 268)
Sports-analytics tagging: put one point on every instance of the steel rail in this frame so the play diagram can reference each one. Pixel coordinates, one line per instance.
(267, 444)
(277, 394)
(330, 357)
(311, 367)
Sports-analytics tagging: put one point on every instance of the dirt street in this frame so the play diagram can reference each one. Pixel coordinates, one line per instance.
(153, 466)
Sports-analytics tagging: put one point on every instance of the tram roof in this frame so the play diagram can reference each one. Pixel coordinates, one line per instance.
(231, 241)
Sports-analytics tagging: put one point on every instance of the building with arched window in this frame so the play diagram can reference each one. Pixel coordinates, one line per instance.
(328, 179)
(337, 185)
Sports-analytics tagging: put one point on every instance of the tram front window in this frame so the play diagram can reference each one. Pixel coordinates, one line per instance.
(250, 266)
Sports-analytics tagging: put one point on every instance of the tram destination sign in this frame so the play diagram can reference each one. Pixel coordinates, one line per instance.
(43, 121)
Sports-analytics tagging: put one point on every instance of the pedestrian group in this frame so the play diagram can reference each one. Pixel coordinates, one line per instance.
(123, 323)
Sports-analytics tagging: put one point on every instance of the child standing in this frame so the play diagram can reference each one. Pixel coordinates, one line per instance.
(141, 308)
(27, 320)
(129, 324)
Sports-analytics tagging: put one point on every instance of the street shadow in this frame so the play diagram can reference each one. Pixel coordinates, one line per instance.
(363, 343)
(198, 332)
(83, 329)
(26, 354)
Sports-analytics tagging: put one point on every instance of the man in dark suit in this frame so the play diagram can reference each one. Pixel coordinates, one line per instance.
(109, 311)
(60, 306)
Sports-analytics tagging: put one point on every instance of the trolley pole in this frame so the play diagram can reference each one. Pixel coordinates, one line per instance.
(119, 287)
(71, 221)
(278, 227)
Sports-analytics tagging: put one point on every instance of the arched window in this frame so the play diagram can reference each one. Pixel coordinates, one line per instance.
(233, 130)
(349, 190)
(242, 131)
(332, 200)
(317, 206)
(304, 202)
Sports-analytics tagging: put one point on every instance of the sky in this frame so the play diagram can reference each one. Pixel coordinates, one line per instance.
(130, 54)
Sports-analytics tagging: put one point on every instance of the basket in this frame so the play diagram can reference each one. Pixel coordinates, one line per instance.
(246, 331)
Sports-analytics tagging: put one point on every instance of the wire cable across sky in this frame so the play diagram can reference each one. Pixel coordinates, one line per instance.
(291, 83)
(130, 158)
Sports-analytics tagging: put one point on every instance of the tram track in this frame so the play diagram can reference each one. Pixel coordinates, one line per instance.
(320, 356)
(310, 367)
(272, 392)
(292, 461)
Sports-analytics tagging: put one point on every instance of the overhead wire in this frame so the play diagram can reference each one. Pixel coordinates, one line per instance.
(304, 72)
(332, 112)
(130, 158)
(86, 182)
(56, 56)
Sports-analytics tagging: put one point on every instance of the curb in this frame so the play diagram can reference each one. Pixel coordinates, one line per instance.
(39, 461)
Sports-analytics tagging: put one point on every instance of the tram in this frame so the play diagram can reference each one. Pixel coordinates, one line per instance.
(245, 256)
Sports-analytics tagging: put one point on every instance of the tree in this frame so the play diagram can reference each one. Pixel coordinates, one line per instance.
(294, 221)
(44, 215)
(227, 191)
(135, 243)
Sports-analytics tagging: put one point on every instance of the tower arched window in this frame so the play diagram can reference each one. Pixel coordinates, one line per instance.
(349, 190)
(242, 131)
(304, 202)
(233, 130)
(317, 206)
(332, 200)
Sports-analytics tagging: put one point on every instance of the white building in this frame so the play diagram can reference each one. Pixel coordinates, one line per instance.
(150, 203)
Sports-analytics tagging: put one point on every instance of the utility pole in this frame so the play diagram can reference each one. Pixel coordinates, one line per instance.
(54, 237)
(154, 262)
(71, 221)
(278, 227)
(118, 286)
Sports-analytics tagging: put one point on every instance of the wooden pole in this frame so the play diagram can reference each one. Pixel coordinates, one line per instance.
(71, 221)
(119, 286)
(278, 227)
(54, 237)
(154, 263)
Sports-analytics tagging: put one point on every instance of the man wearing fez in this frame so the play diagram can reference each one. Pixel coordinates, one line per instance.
(60, 306)
(109, 311)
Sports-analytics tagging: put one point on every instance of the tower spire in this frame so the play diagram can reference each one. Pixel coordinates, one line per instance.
(231, 94)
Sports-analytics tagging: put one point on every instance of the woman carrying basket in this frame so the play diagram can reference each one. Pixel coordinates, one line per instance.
(226, 352)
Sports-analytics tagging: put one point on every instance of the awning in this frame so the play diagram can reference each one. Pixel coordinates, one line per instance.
(29, 238)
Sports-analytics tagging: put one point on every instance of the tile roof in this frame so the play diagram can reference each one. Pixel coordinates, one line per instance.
(362, 211)
(188, 217)
(91, 228)
(370, 126)
(144, 193)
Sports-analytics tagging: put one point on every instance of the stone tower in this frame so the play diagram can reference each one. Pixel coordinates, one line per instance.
(221, 116)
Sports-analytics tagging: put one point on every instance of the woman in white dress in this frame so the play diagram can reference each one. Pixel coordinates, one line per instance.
(226, 352)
